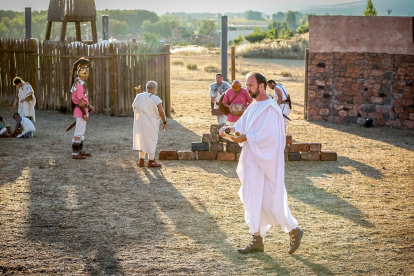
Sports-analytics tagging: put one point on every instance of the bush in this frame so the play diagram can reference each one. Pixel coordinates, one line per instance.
(211, 69)
(192, 66)
(285, 73)
(177, 62)
(238, 40)
(303, 28)
(256, 36)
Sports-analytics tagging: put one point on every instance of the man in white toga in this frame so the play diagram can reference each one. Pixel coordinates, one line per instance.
(261, 167)
(147, 113)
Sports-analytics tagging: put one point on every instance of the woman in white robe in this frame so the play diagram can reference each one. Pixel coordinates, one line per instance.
(25, 99)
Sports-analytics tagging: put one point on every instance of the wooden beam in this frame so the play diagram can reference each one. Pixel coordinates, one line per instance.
(78, 31)
(63, 31)
(94, 34)
(48, 30)
(233, 63)
(168, 80)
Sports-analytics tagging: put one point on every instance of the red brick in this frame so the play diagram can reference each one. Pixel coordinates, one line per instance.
(315, 147)
(187, 155)
(343, 113)
(215, 128)
(226, 156)
(328, 156)
(216, 147)
(210, 138)
(206, 155)
(287, 148)
(310, 156)
(168, 155)
(324, 111)
(233, 147)
(294, 156)
(289, 139)
(299, 147)
(411, 116)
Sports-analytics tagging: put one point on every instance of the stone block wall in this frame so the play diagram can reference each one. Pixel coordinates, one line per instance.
(351, 87)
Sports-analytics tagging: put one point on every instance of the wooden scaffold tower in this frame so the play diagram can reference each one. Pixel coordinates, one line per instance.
(72, 11)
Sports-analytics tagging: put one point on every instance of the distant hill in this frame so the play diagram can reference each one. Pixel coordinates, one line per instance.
(398, 7)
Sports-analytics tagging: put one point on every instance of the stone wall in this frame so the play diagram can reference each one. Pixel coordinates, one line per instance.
(351, 87)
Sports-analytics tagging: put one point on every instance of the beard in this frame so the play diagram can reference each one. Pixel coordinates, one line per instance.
(255, 94)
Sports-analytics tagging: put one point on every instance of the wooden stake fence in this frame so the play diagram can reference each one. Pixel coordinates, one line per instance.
(115, 70)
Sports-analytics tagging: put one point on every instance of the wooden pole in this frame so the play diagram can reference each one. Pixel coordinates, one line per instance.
(108, 99)
(48, 30)
(78, 31)
(63, 31)
(32, 65)
(233, 63)
(224, 44)
(28, 22)
(94, 34)
(111, 78)
(105, 27)
(305, 104)
(168, 79)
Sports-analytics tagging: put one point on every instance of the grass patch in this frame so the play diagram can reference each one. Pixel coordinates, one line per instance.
(286, 74)
(211, 69)
(192, 66)
(178, 62)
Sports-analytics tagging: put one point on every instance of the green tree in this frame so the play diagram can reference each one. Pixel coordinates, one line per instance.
(238, 40)
(151, 38)
(277, 25)
(280, 16)
(117, 27)
(253, 15)
(257, 35)
(370, 10)
(206, 27)
(303, 28)
(273, 34)
(291, 19)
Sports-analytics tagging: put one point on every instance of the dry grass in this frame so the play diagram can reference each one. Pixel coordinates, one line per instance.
(177, 62)
(107, 216)
(211, 69)
(293, 48)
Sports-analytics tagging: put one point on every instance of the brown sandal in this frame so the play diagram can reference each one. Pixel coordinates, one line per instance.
(152, 164)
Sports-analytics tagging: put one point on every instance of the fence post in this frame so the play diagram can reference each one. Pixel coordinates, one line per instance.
(32, 65)
(224, 44)
(78, 31)
(105, 27)
(28, 22)
(233, 63)
(167, 94)
(305, 104)
(111, 77)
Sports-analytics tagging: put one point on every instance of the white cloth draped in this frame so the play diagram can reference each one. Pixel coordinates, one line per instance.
(26, 108)
(261, 168)
(146, 123)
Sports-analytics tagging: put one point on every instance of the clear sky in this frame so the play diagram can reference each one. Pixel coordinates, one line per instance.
(163, 6)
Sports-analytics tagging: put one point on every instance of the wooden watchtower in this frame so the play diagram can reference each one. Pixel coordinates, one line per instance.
(72, 11)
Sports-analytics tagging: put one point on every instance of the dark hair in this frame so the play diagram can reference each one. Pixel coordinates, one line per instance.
(16, 114)
(17, 80)
(271, 81)
(1, 119)
(260, 78)
(219, 74)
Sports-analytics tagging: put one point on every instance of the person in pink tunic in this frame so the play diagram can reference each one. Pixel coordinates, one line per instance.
(235, 96)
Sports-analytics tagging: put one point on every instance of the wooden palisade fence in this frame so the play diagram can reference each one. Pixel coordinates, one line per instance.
(115, 70)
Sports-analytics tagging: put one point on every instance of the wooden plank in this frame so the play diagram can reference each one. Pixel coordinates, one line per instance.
(305, 104)
(108, 108)
(111, 79)
(48, 30)
(168, 81)
(121, 75)
(78, 31)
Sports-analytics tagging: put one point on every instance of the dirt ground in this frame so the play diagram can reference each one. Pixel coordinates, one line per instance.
(106, 216)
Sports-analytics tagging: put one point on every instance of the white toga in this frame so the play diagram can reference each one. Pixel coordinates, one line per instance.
(261, 168)
(26, 108)
(146, 122)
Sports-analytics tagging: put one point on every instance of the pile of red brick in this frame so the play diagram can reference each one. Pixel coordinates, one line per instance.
(214, 147)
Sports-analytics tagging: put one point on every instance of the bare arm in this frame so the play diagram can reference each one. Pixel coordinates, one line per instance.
(162, 115)
(279, 96)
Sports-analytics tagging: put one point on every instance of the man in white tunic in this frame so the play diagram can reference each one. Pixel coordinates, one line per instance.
(281, 97)
(25, 98)
(147, 114)
(24, 127)
(217, 89)
(261, 167)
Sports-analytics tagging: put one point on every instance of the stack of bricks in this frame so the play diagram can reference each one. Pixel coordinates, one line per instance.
(307, 151)
(214, 147)
(351, 87)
